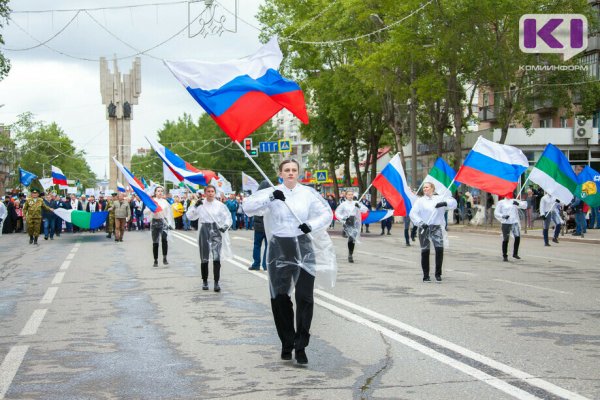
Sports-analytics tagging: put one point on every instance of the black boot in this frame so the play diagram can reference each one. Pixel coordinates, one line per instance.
(155, 253)
(204, 284)
(35, 240)
(516, 248)
(165, 262)
(30, 239)
(505, 250)
(217, 287)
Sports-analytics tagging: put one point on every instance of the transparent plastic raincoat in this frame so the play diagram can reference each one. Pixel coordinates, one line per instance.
(214, 221)
(351, 217)
(289, 248)
(161, 222)
(431, 221)
(508, 213)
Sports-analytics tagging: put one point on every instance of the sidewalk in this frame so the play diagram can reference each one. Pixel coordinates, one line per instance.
(592, 236)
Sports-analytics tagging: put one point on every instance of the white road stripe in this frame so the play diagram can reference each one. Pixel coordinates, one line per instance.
(533, 286)
(10, 366)
(49, 296)
(74, 249)
(386, 257)
(34, 322)
(461, 272)
(58, 278)
(70, 256)
(530, 379)
(242, 238)
(65, 265)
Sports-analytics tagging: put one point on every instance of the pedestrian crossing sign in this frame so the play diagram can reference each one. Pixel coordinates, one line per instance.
(321, 175)
(284, 146)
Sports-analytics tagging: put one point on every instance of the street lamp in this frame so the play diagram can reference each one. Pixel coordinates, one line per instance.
(44, 165)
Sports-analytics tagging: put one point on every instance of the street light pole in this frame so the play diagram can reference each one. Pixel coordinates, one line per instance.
(413, 126)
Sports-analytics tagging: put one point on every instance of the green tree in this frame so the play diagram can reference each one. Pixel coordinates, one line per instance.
(39, 145)
(4, 62)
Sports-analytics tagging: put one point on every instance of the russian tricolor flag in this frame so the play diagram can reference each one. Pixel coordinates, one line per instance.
(58, 178)
(137, 187)
(180, 168)
(493, 167)
(241, 95)
(391, 182)
(120, 187)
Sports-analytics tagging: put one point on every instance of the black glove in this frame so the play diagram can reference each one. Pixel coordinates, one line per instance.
(357, 205)
(198, 202)
(516, 203)
(558, 201)
(423, 227)
(505, 216)
(224, 228)
(278, 195)
(441, 204)
(303, 227)
(350, 220)
(543, 217)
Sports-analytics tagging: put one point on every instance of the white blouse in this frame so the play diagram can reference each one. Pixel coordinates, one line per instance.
(166, 213)
(424, 211)
(209, 212)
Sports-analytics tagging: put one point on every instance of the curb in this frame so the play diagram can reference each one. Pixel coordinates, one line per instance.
(564, 238)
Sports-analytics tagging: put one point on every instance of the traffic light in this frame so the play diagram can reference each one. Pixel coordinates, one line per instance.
(248, 145)
(253, 153)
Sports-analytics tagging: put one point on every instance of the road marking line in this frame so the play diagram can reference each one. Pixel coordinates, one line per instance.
(58, 278)
(389, 258)
(49, 296)
(461, 272)
(74, 249)
(34, 322)
(70, 256)
(533, 286)
(242, 238)
(65, 265)
(530, 379)
(10, 366)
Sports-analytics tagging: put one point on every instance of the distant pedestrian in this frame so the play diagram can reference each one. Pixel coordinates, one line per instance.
(507, 212)
(160, 223)
(122, 215)
(349, 212)
(260, 238)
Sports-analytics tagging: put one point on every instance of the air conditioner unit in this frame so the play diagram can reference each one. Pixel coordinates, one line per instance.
(582, 128)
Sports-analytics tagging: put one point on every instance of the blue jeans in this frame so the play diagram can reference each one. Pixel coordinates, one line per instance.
(139, 220)
(259, 238)
(48, 227)
(594, 218)
(187, 224)
(580, 226)
(234, 220)
(249, 222)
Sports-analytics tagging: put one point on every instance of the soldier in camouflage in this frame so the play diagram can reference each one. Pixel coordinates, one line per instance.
(110, 223)
(32, 211)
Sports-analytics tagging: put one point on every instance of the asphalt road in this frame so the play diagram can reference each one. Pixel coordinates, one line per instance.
(84, 317)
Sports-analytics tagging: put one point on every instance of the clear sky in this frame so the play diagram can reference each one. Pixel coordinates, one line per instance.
(65, 88)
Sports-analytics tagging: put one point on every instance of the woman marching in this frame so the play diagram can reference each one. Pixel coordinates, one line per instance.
(349, 212)
(428, 214)
(299, 246)
(214, 219)
(160, 223)
(507, 212)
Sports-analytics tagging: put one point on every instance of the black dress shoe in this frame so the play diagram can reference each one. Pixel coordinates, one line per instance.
(205, 285)
(547, 244)
(155, 263)
(555, 240)
(427, 279)
(504, 258)
(286, 355)
(516, 256)
(165, 262)
(217, 287)
(301, 357)
(438, 278)
(350, 259)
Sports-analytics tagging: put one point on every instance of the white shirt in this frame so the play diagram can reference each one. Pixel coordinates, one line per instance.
(166, 213)
(548, 203)
(3, 210)
(423, 210)
(209, 212)
(74, 204)
(306, 203)
(506, 207)
(348, 208)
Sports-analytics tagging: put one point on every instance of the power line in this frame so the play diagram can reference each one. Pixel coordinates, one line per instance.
(97, 8)
(47, 40)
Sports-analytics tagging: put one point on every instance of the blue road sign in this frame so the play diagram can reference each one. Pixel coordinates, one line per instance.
(321, 175)
(285, 146)
(268, 147)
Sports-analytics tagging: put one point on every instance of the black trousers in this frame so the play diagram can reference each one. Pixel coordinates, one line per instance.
(439, 259)
(216, 270)
(506, 229)
(283, 313)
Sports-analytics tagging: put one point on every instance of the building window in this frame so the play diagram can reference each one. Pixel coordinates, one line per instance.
(546, 123)
(578, 155)
(563, 122)
(593, 66)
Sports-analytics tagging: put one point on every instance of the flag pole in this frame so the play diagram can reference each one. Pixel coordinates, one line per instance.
(366, 191)
(268, 180)
(442, 196)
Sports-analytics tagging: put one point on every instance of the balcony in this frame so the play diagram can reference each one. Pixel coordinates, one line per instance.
(593, 43)
(543, 106)
(487, 113)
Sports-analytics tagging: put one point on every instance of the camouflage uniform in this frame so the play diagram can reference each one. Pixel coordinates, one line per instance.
(32, 210)
(110, 223)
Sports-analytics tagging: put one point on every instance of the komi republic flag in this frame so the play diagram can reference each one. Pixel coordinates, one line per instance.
(441, 175)
(82, 219)
(554, 174)
(240, 95)
(588, 181)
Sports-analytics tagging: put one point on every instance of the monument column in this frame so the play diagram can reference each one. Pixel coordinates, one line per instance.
(119, 95)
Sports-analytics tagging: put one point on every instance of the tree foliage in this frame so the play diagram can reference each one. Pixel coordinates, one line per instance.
(4, 62)
(38, 145)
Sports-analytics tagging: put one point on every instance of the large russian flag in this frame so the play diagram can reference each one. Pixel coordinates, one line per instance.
(391, 182)
(179, 167)
(137, 187)
(493, 167)
(241, 95)
(58, 178)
